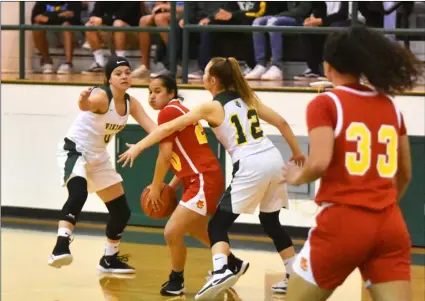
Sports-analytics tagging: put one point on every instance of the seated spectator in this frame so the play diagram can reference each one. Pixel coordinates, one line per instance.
(115, 13)
(161, 17)
(329, 14)
(294, 16)
(234, 44)
(55, 13)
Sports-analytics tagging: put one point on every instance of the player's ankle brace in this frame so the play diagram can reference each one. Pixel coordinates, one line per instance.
(119, 214)
(77, 191)
(273, 228)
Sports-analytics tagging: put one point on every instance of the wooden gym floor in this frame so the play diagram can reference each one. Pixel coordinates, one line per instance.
(27, 244)
(97, 79)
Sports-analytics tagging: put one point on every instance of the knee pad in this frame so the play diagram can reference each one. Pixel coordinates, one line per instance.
(77, 197)
(219, 226)
(119, 214)
(273, 228)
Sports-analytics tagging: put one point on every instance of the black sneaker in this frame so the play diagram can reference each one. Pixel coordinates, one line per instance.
(61, 254)
(308, 74)
(174, 286)
(238, 266)
(115, 264)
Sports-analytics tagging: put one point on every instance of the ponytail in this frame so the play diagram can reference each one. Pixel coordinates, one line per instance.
(228, 72)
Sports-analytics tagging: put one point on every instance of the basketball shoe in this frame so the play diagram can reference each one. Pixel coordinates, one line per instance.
(282, 286)
(219, 281)
(61, 255)
(115, 264)
(174, 286)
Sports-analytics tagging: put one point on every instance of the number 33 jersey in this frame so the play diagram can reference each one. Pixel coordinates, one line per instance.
(191, 152)
(240, 133)
(92, 132)
(367, 128)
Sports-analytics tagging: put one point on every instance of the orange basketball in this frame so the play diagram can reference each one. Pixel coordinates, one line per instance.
(168, 198)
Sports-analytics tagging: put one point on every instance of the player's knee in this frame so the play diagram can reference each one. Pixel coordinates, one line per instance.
(172, 235)
(219, 225)
(273, 228)
(77, 196)
(119, 23)
(119, 215)
(146, 20)
(162, 19)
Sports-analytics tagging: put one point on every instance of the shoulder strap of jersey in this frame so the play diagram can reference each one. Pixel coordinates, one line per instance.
(127, 99)
(108, 91)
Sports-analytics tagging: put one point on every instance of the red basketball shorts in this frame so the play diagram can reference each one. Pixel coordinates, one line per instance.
(346, 238)
(202, 192)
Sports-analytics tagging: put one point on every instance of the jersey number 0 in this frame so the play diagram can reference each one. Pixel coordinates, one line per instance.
(358, 163)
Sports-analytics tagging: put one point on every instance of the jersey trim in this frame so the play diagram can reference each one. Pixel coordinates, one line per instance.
(186, 156)
(176, 107)
(357, 92)
(226, 96)
(339, 115)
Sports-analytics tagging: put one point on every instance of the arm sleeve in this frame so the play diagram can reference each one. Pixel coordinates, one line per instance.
(321, 111)
(168, 114)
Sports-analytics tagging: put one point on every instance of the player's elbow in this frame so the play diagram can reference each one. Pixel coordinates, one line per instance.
(84, 106)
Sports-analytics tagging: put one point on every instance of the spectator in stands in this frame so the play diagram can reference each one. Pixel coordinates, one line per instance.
(160, 16)
(295, 15)
(329, 13)
(115, 13)
(55, 13)
(238, 45)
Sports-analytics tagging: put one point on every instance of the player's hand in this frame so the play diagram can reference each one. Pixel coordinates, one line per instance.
(223, 15)
(67, 14)
(154, 197)
(84, 95)
(130, 155)
(298, 159)
(41, 19)
(291, 173)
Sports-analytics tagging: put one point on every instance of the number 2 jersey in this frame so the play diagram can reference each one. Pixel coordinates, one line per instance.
(92, 132)
(191, 151)
(240, 133)
(367, 127)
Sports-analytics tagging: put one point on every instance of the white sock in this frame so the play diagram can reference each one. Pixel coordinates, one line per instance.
(120, 53)
(99, 57)
(288, 265)
(219, 261)
(64, 232)
(111, 248)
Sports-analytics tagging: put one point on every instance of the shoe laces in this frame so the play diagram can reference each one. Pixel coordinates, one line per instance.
(123, 258)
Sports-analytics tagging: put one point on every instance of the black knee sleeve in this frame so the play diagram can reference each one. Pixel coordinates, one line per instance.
(77, 197)
(219, 225)
(273, 228)
(119, 214)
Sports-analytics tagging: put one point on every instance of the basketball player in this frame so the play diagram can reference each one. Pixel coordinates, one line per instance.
(86, 166)
(234, 116)
(360, 149)
(188, 154)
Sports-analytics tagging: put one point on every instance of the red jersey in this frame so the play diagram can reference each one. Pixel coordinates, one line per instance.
(367, 127)
(191, 151)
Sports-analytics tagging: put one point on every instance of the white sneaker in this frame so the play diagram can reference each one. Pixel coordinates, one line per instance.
(142, 71)
(274, 73)
(199, 74)
(216, 284)
(64, 69)
(280, 287)
(47, 68)
(256, 73)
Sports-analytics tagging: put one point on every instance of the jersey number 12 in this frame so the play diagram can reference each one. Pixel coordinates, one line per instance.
(256, 131)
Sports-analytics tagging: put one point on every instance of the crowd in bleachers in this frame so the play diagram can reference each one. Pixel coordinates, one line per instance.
(263, 53)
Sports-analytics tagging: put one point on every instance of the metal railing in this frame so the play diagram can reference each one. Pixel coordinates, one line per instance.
(187, 28)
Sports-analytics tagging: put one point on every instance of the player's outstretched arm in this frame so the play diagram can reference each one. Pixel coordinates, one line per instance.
(95, 101)
(204, 111)
(140, 115)
(272, 117)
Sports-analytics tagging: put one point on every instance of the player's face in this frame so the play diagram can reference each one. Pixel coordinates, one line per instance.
(121, 78)
(208, 79)
(158, 95)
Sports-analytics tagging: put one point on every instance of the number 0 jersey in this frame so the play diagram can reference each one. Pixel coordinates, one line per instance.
(240, 133)
(191, 151)
(92, 131)
(367, 127)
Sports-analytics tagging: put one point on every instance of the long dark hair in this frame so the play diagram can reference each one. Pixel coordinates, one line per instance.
(389, 67)
(170, 84)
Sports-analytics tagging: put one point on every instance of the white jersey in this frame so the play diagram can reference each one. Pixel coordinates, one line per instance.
(240, 133)
(92, 132)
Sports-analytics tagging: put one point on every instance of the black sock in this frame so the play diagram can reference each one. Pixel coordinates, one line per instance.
(176, 275)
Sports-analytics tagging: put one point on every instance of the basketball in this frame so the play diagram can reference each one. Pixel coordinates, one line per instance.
(168, 198)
